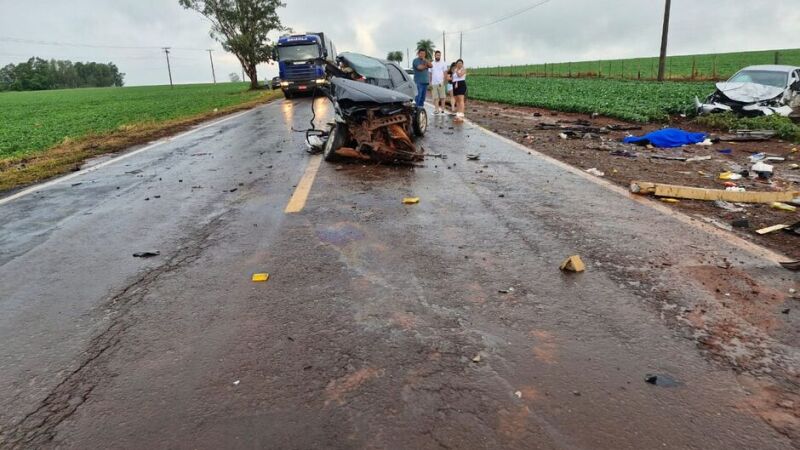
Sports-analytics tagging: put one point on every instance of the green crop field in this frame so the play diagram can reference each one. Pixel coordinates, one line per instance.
(639, 101)
(34, 121)
(685, 67)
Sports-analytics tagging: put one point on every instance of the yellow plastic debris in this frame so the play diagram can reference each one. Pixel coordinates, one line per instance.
(729, 176)
(411, 200)
(260, 277)
(573, 264)
(670, 200)
(783, 207)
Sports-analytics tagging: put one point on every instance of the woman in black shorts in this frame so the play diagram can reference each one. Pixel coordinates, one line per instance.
(460, 89)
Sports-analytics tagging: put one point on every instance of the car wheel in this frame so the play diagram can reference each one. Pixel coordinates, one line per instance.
(287, 95)
(420, 122)
(336, 140)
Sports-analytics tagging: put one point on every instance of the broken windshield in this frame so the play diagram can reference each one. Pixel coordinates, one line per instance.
(765, 77)
(367, 67)
(299, 52)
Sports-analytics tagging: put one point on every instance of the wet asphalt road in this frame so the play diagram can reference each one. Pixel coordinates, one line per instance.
(368, 331)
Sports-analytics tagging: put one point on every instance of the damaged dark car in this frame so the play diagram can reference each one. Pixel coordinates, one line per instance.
(375, 115)
(757, 91)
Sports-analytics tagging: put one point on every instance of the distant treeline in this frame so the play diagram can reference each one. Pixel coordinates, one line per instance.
(38, 75)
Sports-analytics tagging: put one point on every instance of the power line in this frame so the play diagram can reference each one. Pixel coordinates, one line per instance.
(503, 18)
(72, 44)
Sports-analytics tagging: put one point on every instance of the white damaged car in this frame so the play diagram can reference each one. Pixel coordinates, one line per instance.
(756, 91)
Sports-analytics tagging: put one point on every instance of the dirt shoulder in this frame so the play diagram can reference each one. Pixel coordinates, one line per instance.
(523, 125)
(69, 156)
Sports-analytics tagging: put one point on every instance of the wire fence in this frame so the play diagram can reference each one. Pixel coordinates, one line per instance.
(680, 68)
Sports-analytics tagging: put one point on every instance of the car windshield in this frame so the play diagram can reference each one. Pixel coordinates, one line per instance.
(367, 67)
(298, 52)
(766, 77)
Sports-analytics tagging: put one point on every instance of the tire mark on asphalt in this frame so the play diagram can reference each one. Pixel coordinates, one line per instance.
(38, 427)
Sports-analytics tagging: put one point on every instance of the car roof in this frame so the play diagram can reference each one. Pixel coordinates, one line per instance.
(772, 68)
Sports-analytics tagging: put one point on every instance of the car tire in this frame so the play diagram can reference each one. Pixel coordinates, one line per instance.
(420, 122)
(336, 140)
(287, 95)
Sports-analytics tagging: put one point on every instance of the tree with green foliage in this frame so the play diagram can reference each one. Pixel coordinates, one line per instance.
(396, 56)
(242, 27)
(427, 45)
(38, 74)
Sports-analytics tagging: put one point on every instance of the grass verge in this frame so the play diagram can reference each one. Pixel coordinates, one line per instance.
(21, 170)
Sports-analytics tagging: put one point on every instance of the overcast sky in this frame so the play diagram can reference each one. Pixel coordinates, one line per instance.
(561, 30)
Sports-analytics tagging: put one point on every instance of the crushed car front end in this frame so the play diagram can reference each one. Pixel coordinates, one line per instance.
(756, 91)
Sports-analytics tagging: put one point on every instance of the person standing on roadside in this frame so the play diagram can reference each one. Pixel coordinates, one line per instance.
(438, 82)
(460, 89)
(421, 76)
(450, 72)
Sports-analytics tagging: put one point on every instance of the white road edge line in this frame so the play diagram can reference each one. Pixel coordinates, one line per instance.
(53, 182)
(743, 244)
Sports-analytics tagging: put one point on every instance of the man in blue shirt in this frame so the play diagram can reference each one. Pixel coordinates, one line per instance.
(421, 76)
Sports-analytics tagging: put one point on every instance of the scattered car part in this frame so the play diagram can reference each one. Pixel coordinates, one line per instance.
(693, 193)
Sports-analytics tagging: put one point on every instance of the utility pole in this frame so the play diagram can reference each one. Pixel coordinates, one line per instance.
(461, 46)
(408, 57)
(662, 61)
(169, 69)
(213, 72)
(242, 73)
(444, 46)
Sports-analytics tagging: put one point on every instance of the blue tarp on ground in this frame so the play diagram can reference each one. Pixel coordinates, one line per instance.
(667, 138)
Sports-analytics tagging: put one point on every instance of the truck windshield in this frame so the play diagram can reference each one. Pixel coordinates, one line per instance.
(299, 52)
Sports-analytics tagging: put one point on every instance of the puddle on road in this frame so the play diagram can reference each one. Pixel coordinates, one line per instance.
(340, 234)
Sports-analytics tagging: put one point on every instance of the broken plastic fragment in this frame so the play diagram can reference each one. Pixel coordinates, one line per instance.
(260, 277)
(573, 264)
(146, 254)
(783, 207)
(411, 200)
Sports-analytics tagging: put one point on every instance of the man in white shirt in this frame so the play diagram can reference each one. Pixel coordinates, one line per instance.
(439, 82)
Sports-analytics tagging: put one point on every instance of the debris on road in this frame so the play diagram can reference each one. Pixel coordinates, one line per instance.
(783, 207)
(772, 229)
(670, 200)
(748, 136)
(661, 380)
(573, 264)
(411, 200)
(518, 394)
(791, 265)
(477, 358)
(717, 223)
(473, 156)
(260, 277)
(596, 172)
(692, 193)
(146, 254)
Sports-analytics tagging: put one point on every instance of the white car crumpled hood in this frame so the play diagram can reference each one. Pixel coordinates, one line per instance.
(749, 92)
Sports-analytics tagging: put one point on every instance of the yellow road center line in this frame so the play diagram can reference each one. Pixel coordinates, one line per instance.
(298, 200)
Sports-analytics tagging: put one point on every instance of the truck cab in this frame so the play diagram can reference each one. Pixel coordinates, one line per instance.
(301, 62)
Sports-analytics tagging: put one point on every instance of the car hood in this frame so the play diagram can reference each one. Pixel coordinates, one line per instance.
(749, 92)
(360, 92)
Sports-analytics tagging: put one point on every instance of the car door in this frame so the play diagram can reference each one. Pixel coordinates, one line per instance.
(402, 82)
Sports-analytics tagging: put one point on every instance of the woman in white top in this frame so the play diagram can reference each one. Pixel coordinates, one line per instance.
(460, 89)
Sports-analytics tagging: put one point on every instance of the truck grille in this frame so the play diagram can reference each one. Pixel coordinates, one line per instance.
(300, 72)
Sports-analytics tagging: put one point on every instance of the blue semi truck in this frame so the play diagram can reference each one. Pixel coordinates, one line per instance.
(301, 62)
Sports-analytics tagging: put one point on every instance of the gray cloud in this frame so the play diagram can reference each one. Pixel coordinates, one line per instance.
(562, 30)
